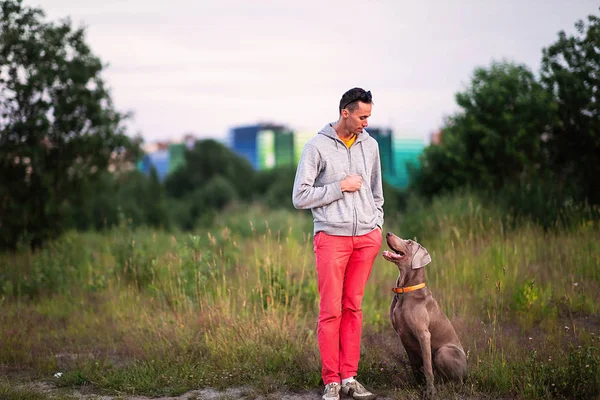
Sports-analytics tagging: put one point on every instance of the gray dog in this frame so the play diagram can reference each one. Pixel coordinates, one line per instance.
(425, 331)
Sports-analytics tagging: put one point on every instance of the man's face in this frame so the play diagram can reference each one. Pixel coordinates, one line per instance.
(357, 120)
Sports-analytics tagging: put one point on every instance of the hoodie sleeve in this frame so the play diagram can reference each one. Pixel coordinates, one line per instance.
(305, 195)
(377, 187)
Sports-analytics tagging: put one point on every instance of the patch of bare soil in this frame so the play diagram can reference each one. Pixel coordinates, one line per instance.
(50, 391)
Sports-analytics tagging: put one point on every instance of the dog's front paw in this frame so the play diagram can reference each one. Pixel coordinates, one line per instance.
(429, 392)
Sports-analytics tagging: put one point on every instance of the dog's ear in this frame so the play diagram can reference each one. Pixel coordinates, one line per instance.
(421, 258)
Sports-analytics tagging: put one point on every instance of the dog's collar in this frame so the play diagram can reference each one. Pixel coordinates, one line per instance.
(401, 290)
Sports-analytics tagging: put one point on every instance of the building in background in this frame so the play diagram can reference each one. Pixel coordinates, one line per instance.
(435, 137)
(263, 145)
(405, 153)
(176, 156)
(384, 137)
(268, 146)
(159, 160)
(244, 141)
(284, 148)
(300, 139)
(164, 157)
(398, 154)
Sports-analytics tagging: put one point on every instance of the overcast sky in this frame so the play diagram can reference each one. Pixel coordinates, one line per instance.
(204, 66)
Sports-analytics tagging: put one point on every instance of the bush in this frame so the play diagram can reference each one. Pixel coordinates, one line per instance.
(273, 187)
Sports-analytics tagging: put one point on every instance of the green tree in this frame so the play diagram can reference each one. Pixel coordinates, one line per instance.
(58, 126)
(273, 187)
(496, 138)
(443, 168)
(155, 204)
(571, 73)
(204, 162)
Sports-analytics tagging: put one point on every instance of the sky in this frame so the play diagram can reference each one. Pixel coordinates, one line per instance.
(203, 67)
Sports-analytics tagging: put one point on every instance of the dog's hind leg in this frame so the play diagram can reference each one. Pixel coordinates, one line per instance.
(451, 363)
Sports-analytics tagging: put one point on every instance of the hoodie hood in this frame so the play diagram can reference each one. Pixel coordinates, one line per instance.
(330, 132)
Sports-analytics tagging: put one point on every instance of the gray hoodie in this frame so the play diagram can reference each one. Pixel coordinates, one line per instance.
(324, 163)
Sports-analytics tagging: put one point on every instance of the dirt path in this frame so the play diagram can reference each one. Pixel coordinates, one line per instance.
(49, 390)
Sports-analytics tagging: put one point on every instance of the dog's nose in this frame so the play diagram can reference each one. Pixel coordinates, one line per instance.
(388, 234)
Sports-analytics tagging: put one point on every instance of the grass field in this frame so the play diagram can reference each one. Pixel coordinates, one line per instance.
(155, 313)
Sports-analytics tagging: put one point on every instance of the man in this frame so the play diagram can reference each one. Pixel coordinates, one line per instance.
(339, 179)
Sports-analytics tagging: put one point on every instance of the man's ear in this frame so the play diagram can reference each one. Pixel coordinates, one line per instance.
(421, 258)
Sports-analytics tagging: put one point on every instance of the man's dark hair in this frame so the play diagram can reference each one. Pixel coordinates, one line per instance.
(351, 98)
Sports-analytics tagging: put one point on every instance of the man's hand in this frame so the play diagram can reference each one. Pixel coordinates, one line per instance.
(351, 183)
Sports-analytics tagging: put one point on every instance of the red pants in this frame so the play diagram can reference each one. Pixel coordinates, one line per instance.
(343, 267)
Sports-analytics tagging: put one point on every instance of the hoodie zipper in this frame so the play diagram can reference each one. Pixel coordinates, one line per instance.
(354, 214)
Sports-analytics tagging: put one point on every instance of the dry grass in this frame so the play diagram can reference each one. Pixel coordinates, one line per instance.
(155, 313)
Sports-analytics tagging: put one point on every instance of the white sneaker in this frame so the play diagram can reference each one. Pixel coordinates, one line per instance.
(332, 391)
(357, 391)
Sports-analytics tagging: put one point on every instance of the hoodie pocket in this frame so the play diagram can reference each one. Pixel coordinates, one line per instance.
(366, 210)
(338, 212)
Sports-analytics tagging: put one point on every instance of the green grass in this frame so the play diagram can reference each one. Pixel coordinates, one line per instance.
(10, 392)
(156, 313)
